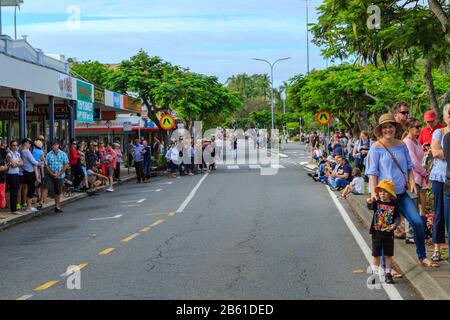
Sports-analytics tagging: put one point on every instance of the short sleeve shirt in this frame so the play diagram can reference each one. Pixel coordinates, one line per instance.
(381, 165)
(56, 162)
(439, 165)
(345, 169)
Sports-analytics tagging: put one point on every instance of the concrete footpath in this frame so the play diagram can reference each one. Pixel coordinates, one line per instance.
(430, 283)
(11, 220)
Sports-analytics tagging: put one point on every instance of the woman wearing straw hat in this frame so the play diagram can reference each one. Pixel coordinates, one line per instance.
(389, 159)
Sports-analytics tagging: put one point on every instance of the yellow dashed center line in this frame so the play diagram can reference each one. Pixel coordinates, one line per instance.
(50, 284)
(47, 285)
(80, 266)
(106, 251)
(146, 229)
(158, 222)
(129, 238)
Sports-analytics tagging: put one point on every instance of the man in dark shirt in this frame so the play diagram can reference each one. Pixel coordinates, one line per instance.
(342, 176)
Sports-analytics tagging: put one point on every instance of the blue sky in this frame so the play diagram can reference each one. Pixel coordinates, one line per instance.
(213, 37)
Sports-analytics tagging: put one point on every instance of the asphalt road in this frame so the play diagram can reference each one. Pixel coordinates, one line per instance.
(238, 235)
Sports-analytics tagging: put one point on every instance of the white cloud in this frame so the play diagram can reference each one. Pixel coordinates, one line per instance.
(211, 37)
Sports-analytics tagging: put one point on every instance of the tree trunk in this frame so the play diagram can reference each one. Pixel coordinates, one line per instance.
(440, 14)
(431, 91)
(443, 100)
(152, 115)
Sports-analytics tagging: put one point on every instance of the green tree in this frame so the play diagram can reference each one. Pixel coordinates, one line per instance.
(93, 71)
(409, 34)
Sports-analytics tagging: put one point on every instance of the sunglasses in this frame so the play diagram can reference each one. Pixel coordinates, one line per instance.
(405, 113)
(417, 127)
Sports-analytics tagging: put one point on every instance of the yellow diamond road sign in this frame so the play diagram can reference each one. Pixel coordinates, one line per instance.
(323, 117)
(167, 122)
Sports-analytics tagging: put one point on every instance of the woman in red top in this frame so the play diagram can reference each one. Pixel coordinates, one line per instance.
(75, 165)
(110, 164)
(101, 156)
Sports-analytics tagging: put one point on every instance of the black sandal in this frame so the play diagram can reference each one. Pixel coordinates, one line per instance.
(436, 257)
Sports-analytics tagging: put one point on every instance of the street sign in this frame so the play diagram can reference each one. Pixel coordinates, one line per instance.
(324, 117)
(127, 126)
(167, 122)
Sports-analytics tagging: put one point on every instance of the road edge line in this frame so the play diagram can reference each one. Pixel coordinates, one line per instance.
(391, 291)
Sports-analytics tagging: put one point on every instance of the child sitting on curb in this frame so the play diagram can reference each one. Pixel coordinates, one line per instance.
(356, 186)
(385, 220)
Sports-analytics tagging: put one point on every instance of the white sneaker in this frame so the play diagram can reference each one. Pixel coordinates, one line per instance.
(32, 210)
(110, 190)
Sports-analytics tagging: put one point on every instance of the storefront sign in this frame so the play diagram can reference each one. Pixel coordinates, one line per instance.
(108, 115)
(62, 111)
(99, 95)
(116, 100)
(11, 105)
(65, 88)
(97, 115)
(85, 105)
(127, 126)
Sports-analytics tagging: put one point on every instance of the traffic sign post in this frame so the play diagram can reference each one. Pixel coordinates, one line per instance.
(324, 117)
(167, 122)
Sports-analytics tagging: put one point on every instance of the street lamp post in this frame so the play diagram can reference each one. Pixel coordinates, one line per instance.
(307, 36)
(271, 82)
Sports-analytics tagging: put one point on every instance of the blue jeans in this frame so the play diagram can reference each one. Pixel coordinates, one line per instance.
(409, 210)
(447, 215)
(321, 169)
(439, 220)
(147, 168)
(338, 182)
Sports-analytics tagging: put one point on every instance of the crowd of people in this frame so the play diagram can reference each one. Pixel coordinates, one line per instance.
(396, 164)
(32, 170)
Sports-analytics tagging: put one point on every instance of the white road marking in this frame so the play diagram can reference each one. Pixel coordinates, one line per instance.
(107, 218)
(191, 195)
(164, 183)
(232, 167)
(142, 200)
(278, 166)
(155, 190)
(254, 166)
(131, 205)
(391, 291)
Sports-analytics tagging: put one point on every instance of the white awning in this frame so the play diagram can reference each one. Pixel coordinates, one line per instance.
(10, 3)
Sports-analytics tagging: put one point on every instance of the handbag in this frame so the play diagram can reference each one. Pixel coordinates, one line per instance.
(412, 195)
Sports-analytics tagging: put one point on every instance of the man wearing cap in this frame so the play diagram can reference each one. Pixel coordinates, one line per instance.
(426, 134)
(56, 164)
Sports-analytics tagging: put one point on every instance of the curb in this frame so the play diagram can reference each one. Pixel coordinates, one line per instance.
(424, 284)
(50, 208)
